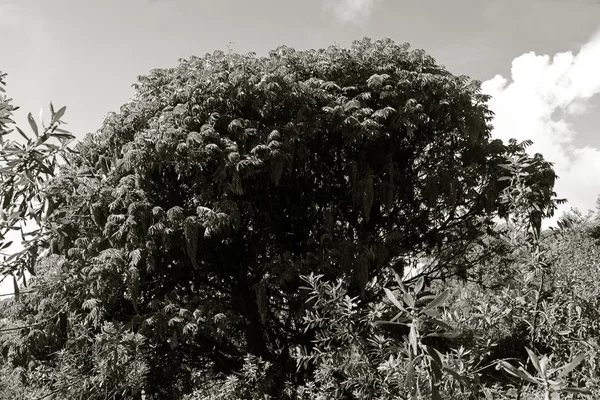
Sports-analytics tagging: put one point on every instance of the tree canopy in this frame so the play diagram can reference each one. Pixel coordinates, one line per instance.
(177, 236)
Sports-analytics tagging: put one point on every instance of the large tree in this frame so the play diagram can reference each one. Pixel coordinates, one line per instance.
(181, 228)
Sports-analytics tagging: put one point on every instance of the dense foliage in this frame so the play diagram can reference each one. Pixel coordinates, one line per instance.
(242, 227)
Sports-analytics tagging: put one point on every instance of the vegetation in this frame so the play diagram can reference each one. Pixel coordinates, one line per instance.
(316, 224)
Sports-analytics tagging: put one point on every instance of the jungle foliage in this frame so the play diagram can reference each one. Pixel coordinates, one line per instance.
(241, 229)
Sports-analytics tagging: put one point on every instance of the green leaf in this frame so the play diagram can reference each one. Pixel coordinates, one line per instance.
(576, 390)
(534, 360)
(519, 373)
(62, 135)
(401, 321)
(435, 355)
(410, 375)
(437, 322)
(8, 197)
(59, 115)
(16, 288)
(42, 118)
(398, 279)
(419, 285)
(437, 301)
(431, 313)
(44, 168)
(393, 299)
(23, 133)
(32, 124)
(571, 366)
(435, 390)
(409, 300)
(446, 335)
(6, 171)
(412, 338)
(543, 365)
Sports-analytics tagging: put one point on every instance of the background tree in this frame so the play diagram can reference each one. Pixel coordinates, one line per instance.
(188, 219)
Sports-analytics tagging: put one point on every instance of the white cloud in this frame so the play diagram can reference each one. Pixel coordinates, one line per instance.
(351, 11)
(543, 94)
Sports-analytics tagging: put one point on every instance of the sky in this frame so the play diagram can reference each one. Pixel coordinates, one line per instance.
(539, 59)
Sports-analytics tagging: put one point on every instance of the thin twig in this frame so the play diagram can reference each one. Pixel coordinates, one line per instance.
(32, 325)
(12, 294)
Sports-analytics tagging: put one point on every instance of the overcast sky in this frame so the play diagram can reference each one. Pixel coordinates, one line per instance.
(540, 59)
